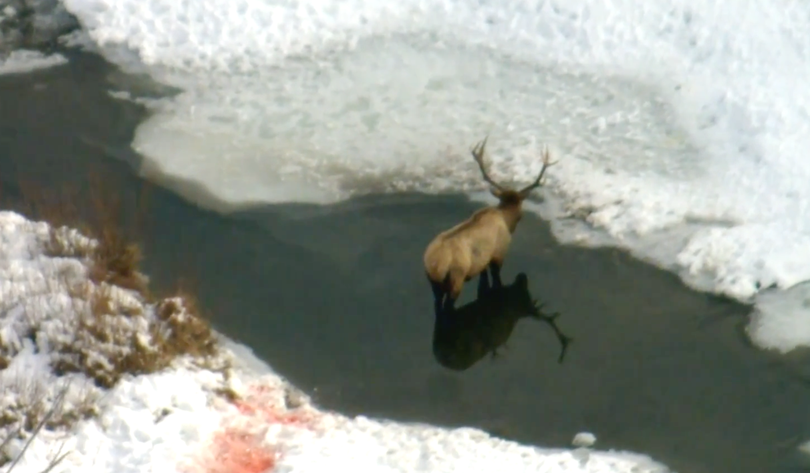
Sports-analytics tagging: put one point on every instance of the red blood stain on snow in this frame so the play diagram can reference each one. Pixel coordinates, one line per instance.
(258, 403)
(236, 451)
(238, 446)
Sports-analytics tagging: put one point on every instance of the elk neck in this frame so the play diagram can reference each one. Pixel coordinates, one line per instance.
(511, 212)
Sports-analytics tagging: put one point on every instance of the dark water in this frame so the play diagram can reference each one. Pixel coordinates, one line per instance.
(334, 298)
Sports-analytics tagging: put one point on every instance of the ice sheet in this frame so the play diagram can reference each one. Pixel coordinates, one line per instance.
(22, 60)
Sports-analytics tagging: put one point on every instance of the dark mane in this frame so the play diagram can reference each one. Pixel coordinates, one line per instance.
(509, 198)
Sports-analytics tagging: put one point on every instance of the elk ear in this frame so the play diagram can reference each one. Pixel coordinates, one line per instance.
(495, 191)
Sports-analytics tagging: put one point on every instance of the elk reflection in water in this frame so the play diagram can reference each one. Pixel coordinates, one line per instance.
(463, 336)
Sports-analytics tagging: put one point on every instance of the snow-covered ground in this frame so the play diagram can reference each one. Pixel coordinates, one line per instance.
(682, 128)
(228, 413)
(32, 23)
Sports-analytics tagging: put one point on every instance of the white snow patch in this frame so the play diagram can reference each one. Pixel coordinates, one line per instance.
(584, 439)
(781, 320)
(805, 448)
(23, 60)
(172, 421)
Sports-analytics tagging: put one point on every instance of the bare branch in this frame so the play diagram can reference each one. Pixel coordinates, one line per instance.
(57, 460)
(478, 155)
(10, 437)
(547, 163)
(56, 406)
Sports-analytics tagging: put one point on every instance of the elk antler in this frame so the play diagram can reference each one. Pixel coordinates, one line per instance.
(547, 163)
(478, 155)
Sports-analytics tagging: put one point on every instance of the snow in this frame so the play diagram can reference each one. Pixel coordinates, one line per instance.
(174, 420)
(680, 121)
(583, 439)
(22, 60)
(33, 23)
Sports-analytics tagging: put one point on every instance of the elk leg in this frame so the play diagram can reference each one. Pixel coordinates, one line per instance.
(495, 269)
(449, 304)
(438, 296)
(456, 285)
(483, 284)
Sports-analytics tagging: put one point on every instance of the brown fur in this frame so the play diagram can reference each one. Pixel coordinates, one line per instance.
(467, 249)
(464, 251)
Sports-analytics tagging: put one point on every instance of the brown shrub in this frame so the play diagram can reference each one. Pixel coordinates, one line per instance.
(113, 339)
(115, 261)
(98, 212)
(112, 336)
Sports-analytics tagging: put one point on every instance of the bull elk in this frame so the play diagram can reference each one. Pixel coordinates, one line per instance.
(479, 243)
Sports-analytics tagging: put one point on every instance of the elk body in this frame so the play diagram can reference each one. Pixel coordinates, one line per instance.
(479, 243)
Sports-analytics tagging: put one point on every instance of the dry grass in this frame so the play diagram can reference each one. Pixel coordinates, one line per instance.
(97, 212)
(115, 261)
(188, 333)
(119, 334)
(34, 412)
(32, 406)
(114, 335)
(120, 328)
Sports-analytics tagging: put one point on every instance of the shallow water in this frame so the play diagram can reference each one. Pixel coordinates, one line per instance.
(335, 299)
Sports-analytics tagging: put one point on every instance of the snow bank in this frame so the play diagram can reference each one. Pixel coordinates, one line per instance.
(33, 23)
(188, 418)
(676, 116)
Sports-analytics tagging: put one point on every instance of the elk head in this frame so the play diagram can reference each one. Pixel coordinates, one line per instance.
(509, 200)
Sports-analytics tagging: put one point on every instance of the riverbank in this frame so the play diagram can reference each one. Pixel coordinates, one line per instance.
(334, 298)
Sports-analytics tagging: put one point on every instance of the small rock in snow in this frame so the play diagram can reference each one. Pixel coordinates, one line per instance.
(584, 439)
